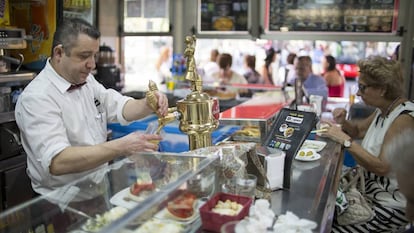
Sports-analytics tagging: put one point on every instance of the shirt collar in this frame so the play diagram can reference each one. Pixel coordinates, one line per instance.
(62, 84)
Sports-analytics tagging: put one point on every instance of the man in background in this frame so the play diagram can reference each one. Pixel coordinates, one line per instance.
(211, 67)
(401, 156)
(313, 84)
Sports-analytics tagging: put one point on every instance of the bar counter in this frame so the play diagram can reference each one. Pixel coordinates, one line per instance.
(312, 194)
(313, 189)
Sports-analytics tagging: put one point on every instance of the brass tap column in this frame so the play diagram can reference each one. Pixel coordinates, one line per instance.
(199, 112)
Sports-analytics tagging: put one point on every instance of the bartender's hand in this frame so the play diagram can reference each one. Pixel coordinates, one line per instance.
(139, 142)
(162, 103)
(339, 115)
(335, 133)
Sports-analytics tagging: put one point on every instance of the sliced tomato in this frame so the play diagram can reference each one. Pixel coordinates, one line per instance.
(182, 206)
(180, 210)
(136, 189)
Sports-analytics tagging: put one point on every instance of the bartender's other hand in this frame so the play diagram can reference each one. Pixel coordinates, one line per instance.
(138, 142)
(335, 133)
(339, 115)
(162, 103)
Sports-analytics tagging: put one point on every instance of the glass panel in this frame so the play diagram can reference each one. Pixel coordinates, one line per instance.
(332, 15)
(316, 49)
(146, 16)
(141, 56)
(345, 52)
(223, 15)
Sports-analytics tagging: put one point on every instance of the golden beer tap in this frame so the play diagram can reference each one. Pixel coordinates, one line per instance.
(198, 113)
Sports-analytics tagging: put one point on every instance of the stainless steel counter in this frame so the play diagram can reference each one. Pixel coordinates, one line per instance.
(313, 188)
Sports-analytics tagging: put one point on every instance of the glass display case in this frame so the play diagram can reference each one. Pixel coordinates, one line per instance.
(135, 194)
(332, 15)
(223, 16)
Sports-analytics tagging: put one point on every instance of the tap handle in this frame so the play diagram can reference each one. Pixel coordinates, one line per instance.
(151, 99)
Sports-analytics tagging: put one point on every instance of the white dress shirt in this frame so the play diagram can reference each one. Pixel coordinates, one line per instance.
(51, 118)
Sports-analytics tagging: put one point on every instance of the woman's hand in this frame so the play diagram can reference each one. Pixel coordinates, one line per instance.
(335, 133)
(339, 115)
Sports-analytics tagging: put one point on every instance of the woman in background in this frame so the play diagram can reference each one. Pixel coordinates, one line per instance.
(164, 64)
(288, 72)
(251, 75)
(334, 79)
(267, 70)
(227, 76)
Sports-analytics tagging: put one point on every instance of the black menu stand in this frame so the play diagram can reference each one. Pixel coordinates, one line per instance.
(288, 132)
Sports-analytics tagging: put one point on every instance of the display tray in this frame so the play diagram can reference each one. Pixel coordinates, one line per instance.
(247, 134)
(242, 138)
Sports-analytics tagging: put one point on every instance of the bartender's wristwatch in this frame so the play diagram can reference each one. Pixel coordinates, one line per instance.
(347, 143)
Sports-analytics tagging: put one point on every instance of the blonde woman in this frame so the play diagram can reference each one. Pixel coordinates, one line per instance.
(381, 86)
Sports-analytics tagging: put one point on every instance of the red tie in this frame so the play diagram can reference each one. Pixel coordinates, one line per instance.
(76, 86)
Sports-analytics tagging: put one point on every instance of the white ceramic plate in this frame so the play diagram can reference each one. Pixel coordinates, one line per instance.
(120, 199)
(303, 155)
(313, 144)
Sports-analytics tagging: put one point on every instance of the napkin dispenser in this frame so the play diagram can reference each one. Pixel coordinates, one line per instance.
(273, 162)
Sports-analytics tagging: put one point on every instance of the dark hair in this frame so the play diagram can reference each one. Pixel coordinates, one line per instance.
(397, 52)
(291, 58)
(214, 54)
(225, 60)
(305, 60)
(68, 30)
(270, 53)
(380, 72)
(331, 62)
(250, 61)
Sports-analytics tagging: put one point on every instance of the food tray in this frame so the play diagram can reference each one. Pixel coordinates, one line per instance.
(212, 221)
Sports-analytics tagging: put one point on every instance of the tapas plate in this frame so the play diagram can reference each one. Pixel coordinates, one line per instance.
(307, 155)
(313, 144)
(123, 198)
(164, 214)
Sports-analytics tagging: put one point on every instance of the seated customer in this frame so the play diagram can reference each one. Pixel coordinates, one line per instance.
(334, 79)
(312, 83)
(211, 67)
(381, 86)
(287, 72)
(226, 76)
(400, 153)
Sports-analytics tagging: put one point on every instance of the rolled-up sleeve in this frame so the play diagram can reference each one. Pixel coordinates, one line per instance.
(44, 135)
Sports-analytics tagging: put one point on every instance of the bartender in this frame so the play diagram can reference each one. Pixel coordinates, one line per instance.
(63, 113)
